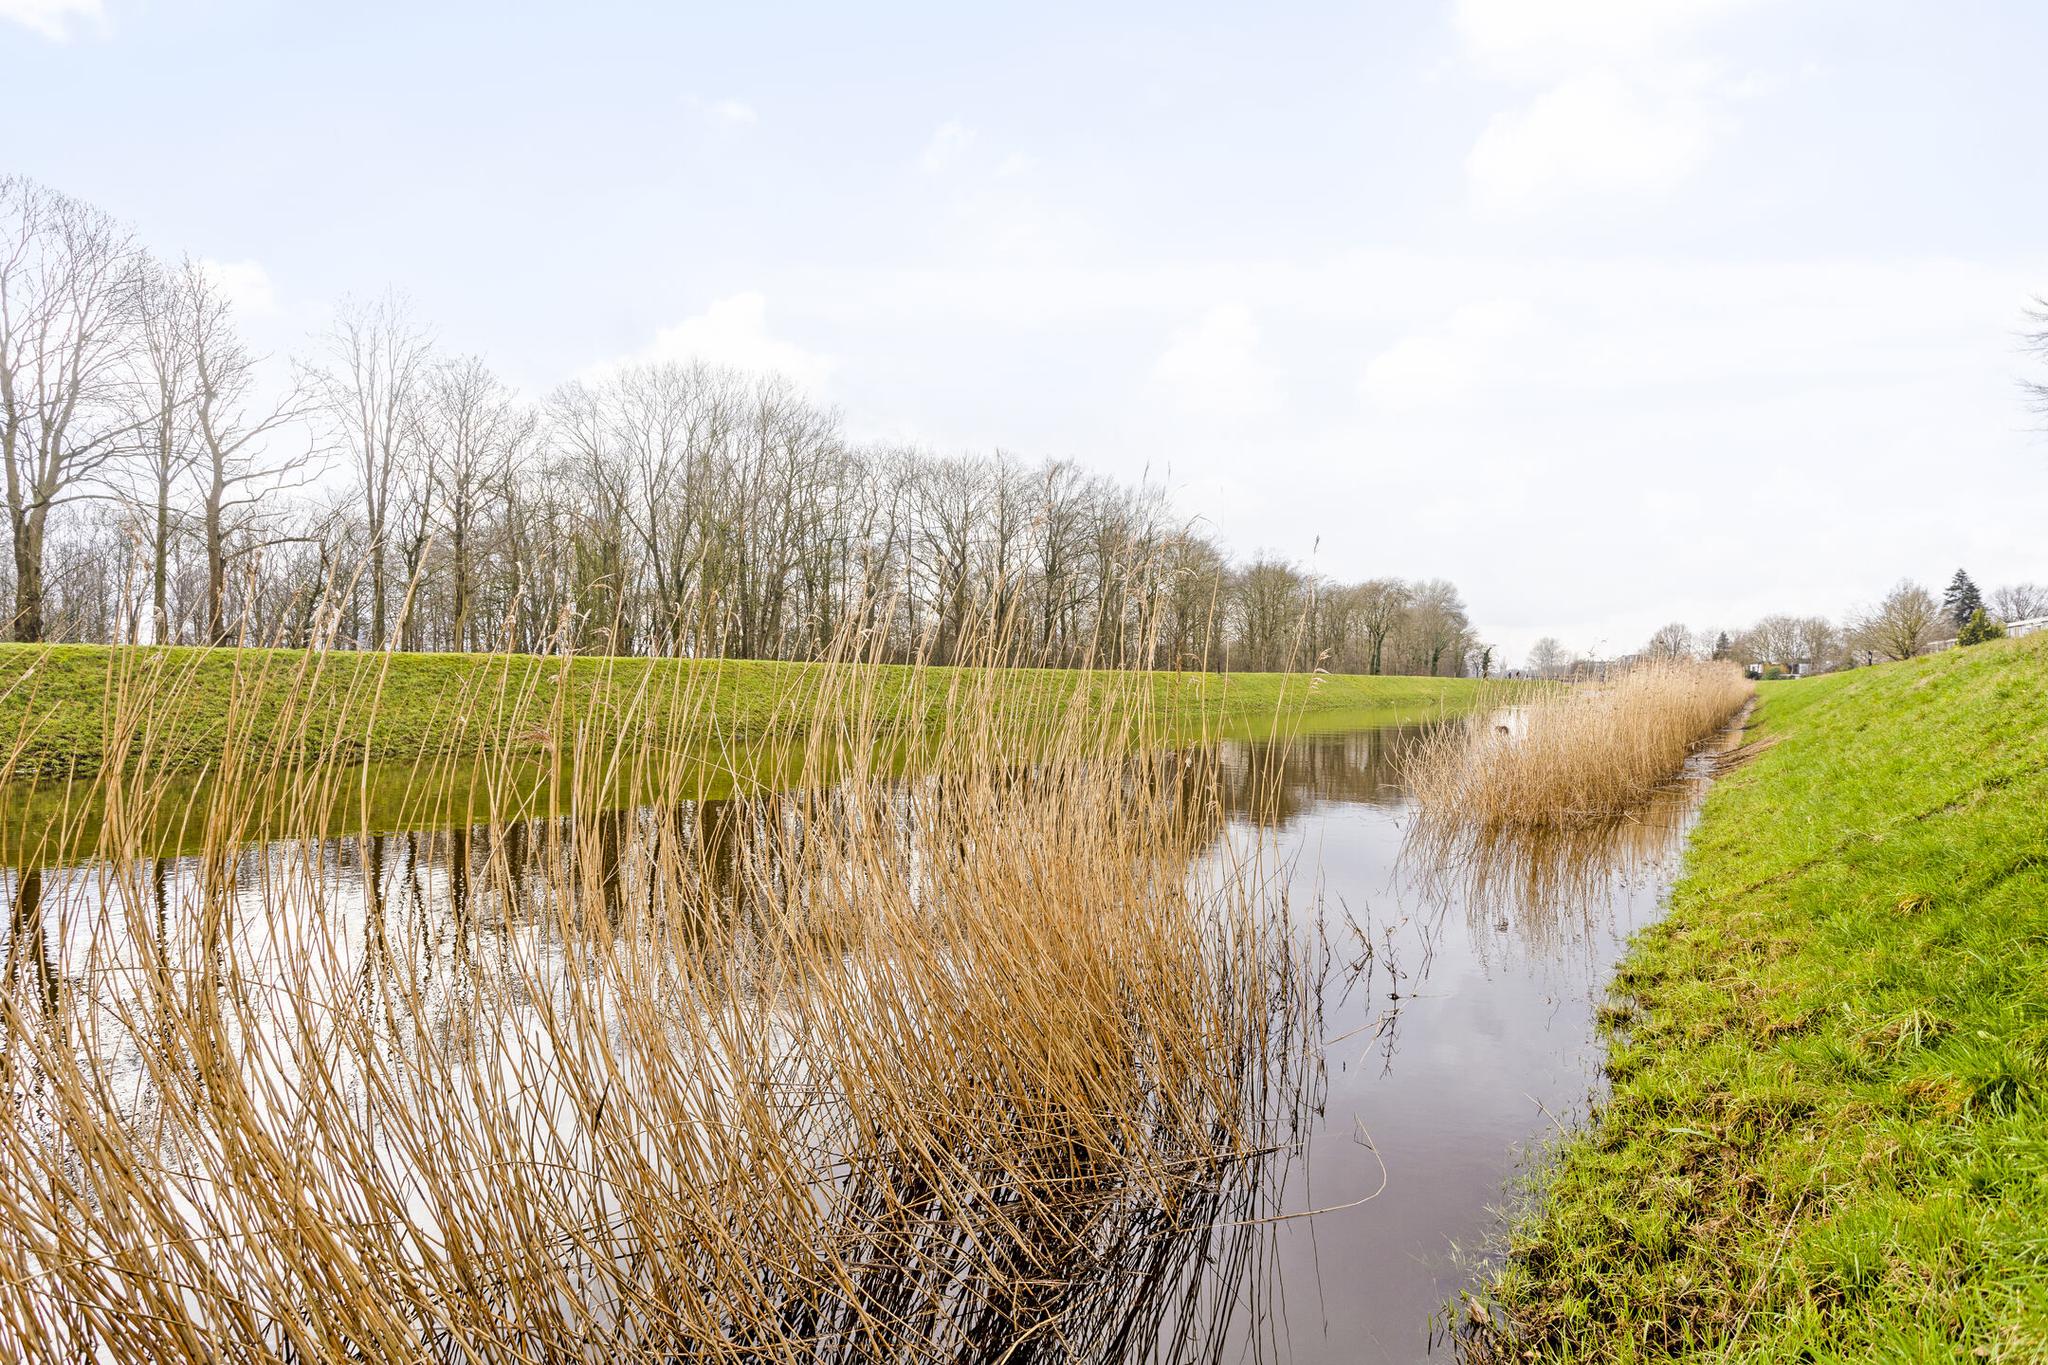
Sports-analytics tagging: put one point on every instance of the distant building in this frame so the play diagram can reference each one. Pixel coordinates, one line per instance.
(2013, 630)
(1756, 668)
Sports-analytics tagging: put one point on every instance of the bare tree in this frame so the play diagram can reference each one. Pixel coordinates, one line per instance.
(1774, 640)
(671, 508)
(2034, 340)
(1190, 603)
(1061, 559)
(477, 431)
(162, 397)
(596, 568)
(2019, 602)
(672, 428)
(1674, 641)
(1547, 658)
(1900, 626)
(1441, 628)
(1382, 603)
(1820, 644)
(70, 278)
(952, 496)
(376, 357)
(248, 451)
(1271, 598)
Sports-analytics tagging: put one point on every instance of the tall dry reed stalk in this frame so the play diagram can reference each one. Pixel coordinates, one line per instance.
(969, 1063)
(1563, 757)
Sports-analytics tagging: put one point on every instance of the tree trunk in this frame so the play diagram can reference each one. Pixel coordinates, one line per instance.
(377, 588)
(160, 570)
(459, 590)
(216, 575)
(28, 580)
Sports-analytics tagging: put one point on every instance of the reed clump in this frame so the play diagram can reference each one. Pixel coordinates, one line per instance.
(1572, 757)
(972, 1060)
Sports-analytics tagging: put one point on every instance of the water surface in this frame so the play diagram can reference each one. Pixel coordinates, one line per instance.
(1453, 1016)
(1458, 1032)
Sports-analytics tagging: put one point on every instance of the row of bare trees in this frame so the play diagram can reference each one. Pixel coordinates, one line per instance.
(1904, 623)
(1909, 619)
(165, 483)
(125, 384)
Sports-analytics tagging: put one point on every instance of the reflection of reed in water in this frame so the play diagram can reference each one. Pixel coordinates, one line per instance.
(971, 1066)
(1548, 885)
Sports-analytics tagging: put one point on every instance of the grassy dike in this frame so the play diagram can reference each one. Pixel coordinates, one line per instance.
(60, 705)
(1827, 1137)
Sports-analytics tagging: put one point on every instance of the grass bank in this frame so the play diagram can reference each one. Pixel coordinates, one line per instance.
(62, 706)
(866, 1069)
(1827, 1137)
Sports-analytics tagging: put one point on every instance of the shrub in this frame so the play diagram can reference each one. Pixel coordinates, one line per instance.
(1979, 628)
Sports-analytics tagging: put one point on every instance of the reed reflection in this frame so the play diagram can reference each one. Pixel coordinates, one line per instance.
(1548, 886)
(698, 1000)
(693, 1035)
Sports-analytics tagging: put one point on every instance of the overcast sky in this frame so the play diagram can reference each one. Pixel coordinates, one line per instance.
(1612, 311)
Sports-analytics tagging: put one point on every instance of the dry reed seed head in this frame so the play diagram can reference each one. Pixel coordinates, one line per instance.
(568, 1079)
(1576, 755)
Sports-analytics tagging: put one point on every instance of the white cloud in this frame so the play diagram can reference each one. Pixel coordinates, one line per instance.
(246, 284)
(732, 113)
(1540, 416)
(1212, 368)
(54, 18)
(1446, 362)
(1005, 220)
(946, 147)
(734, 332)
(1600, 134)
(1538, 39)
(1622, 105)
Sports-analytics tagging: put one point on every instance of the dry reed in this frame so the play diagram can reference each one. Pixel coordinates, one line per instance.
(968, 1063)
(1572, 757)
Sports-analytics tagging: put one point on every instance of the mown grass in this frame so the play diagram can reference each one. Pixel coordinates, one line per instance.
(1827, 1137)
(55, 700)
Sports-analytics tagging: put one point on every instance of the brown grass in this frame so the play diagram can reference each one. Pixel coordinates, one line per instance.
(875, 1067)
(1573, 757)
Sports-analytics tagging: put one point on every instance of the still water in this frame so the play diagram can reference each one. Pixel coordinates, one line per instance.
(1452, 1027)
(1458, 1035)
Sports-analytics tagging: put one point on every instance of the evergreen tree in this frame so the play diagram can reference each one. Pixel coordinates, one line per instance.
(1961, 599)
(1722, 648)
(1978, 629)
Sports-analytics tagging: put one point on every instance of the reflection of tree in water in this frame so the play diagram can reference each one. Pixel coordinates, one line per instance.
(30, 973)
(1053, 1253)
(1275, 783)
(1100, 1269)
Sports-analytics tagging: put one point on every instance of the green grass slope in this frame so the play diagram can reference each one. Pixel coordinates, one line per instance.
(1827, 1137)
(60, 705)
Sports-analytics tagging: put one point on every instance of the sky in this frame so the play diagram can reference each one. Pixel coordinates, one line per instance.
(1614, 312)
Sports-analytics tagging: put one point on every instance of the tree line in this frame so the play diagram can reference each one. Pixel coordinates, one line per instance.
(163, 485)
(1905, 623)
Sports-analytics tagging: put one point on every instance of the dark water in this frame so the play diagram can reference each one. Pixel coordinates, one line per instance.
(1456, 1006)
(1458, 1021)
